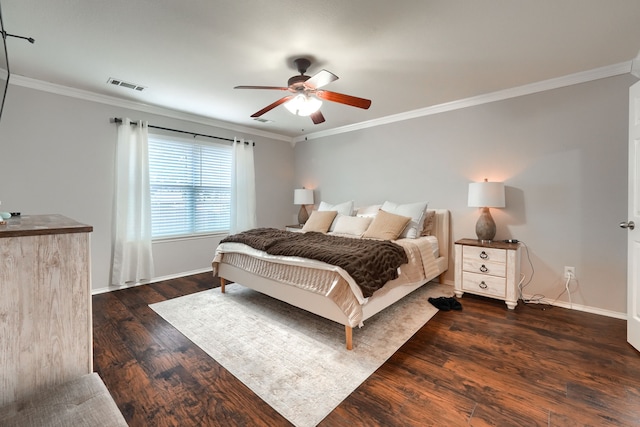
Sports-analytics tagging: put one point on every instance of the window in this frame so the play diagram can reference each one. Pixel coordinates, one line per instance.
(190, 187)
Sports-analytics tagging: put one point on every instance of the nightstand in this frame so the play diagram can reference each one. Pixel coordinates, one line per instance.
(294, 227)
(489, 269)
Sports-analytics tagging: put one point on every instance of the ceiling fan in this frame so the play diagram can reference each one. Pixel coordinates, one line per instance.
(306, 95)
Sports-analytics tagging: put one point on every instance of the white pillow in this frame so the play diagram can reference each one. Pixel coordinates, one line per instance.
(369, 211)
(353, 225)
(345, 208)
(413, 210)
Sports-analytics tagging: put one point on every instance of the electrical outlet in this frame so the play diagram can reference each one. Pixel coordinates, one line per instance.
(569, 272)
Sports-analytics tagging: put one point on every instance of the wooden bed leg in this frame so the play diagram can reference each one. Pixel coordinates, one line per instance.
(348, 332)
(222, 283)
(441, 279)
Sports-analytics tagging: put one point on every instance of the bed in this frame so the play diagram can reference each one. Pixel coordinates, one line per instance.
(328, 290)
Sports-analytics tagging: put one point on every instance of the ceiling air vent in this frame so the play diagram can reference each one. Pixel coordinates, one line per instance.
(118, 82)
(261, 120)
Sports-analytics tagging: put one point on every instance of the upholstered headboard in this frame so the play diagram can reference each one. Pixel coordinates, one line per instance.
(442, 231)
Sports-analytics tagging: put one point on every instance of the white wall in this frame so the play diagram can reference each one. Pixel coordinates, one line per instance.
(57, 156)
(562, 155)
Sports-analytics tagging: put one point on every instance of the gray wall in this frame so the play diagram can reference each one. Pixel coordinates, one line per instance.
(57, 156)
(562, 155)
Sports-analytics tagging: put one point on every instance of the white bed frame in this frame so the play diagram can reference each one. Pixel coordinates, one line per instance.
(324, 306)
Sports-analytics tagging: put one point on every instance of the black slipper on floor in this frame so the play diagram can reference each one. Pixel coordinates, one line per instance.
(441, 303)
(446, 303)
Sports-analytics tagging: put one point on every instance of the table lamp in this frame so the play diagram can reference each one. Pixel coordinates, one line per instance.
(486, 195)
(303, 196)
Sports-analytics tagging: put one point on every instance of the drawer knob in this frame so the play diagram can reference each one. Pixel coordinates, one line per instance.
(483, 285)
(484, 255)
(483, 268)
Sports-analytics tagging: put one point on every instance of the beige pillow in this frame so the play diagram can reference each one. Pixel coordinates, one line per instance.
(386, 226)
(413, 210)
(429, 223)
(319, 221)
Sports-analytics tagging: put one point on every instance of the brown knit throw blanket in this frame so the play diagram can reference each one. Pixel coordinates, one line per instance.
(371, 263)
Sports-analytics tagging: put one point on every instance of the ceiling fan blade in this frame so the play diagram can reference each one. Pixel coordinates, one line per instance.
(317, 117)
(262, 87)
(321, 78)
(272, 106)
(344, 99)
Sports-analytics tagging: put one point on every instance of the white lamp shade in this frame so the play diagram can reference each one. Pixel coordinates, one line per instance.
(486, 195)
(303, 196)
(303, 105)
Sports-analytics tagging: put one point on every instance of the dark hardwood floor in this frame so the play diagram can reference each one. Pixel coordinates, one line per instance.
(485, 365)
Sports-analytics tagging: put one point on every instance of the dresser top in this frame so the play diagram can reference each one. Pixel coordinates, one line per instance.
(37, 225)
(497, 244)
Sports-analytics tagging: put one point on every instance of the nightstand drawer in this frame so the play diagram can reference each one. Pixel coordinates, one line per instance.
(484, 267)
(483, 284)
(484, 254)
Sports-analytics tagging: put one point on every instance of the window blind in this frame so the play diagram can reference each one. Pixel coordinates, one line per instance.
(190, 187)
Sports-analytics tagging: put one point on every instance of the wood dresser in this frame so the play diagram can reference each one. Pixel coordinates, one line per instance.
(45, 304)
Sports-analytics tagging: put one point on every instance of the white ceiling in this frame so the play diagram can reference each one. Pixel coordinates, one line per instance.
(403, 55)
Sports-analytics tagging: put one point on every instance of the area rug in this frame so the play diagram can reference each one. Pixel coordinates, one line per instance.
(295, 361)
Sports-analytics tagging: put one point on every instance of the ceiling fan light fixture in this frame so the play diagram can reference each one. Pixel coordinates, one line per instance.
(304, 97)
(303, 105)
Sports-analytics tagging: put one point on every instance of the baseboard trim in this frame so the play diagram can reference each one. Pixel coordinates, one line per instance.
(563, 304)
(106, 289)
(580, 307)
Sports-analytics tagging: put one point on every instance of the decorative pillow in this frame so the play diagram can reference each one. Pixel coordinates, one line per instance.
(319, 221)
(354, 225)
(386, 226)
(345, 208)
(369, 211)
(413, 210)
(429, 223)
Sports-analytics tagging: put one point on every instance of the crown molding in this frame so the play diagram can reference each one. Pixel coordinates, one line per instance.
(555, 83)
(27, 82)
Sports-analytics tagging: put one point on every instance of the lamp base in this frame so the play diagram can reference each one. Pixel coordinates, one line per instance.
(486, 226)
(303, 215)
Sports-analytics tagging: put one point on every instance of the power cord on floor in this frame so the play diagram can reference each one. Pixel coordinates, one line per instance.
(566, 289)
(521, 284)
(537, 298)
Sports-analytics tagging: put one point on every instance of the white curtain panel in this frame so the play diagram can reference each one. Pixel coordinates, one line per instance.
(132, 254)
(243, 187)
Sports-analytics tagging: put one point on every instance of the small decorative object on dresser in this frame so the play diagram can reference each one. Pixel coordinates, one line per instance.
(489, 269)
(4, 216)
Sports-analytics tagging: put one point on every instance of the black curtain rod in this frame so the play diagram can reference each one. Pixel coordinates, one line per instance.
(119, 120)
